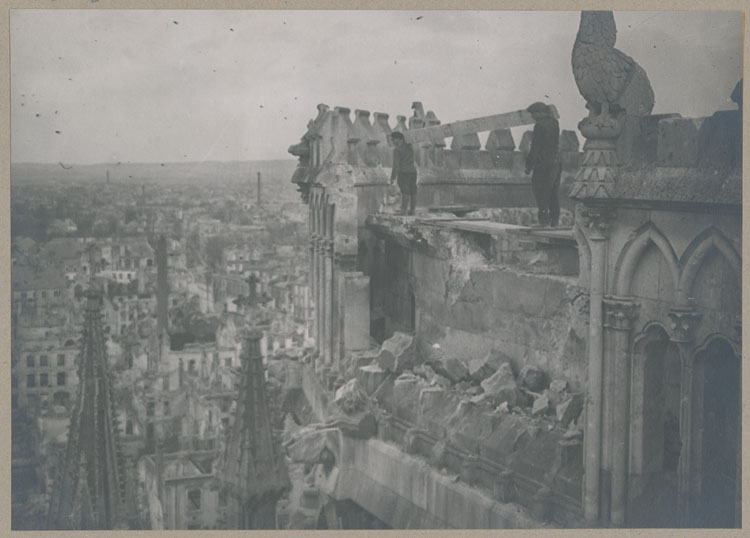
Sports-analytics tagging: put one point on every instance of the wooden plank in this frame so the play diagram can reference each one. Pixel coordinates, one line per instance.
(475, 125)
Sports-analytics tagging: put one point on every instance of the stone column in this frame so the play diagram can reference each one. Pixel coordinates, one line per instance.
(311, 278)
(328, 300)
(596, 221)
(619, 315)
(683, 321)
(319, 307)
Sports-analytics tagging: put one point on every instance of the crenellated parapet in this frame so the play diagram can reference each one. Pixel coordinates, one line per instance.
(455, 166)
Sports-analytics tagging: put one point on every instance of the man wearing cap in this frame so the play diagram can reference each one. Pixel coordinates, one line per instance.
(405, 172)
(544, 161)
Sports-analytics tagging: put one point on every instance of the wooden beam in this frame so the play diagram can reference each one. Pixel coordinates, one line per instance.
(476, 125)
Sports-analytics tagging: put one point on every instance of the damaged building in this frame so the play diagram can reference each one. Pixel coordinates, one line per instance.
(472, 371)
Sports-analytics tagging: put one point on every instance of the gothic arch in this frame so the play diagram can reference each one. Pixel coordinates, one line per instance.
(633, 251)
(654, 425)
(696, 253)
(715, 436)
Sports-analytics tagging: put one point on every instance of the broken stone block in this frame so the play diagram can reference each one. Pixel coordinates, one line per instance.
(501, 386)
(453, 369)
(406, 390)
(370, 377)
(541, 405)
(350, 397)
(557, 391)
(570, 409)
(532, 378)
(474, 390)
(398, 353)
(433, 378)
(481, 369)
(449, 367)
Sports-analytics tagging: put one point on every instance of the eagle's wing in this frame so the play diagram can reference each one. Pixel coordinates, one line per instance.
(601, 72)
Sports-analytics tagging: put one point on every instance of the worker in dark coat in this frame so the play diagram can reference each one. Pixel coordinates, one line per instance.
(405, 172)
(544, 160)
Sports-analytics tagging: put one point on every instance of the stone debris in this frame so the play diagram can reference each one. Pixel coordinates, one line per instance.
(532, 378)
(481, 369)
(570, 409)
(449, 367)
(371, 377)
(541, 405)
(557, 391)
(350, 397)
(501, 386)
(432, 377)
(398, 353)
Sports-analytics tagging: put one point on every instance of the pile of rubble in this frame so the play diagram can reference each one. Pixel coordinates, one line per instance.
(489, 381)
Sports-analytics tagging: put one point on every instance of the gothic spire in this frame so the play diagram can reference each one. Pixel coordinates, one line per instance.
(90, 488)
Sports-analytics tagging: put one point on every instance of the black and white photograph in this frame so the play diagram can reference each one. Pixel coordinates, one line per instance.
(375, 269)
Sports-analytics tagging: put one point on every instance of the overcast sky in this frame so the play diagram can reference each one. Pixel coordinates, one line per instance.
(175, 86)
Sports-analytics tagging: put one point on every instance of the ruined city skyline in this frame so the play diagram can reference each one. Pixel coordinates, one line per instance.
(547, 334)
(189, 86)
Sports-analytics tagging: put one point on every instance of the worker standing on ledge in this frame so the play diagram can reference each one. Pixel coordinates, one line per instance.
(405, 172)
(544, 160)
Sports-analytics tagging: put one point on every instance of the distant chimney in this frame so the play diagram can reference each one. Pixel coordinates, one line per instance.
(258, 192)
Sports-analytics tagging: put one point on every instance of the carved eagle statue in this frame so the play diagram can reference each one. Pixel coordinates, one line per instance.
(610, 80)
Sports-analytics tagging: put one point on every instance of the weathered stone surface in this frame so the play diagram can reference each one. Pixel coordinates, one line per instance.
(532, 378)
(500, 140)
(370, 377)
(541, 405)
(362, 358)
(678, 142)
(481, 369)
(474, 390)
(398, 353)
(570, 409)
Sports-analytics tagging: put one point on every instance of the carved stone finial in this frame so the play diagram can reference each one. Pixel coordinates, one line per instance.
(683, 321)
(615, 87)
(620, 313)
